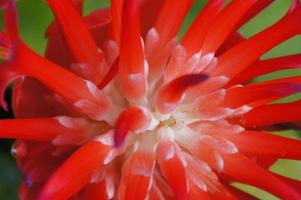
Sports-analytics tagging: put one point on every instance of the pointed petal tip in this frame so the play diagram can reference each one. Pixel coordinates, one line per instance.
(131, 119)
(119, 137)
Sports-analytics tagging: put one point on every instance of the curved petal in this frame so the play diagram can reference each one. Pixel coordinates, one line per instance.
(261, 93)
(75, 172)
(240, 194)
(254, 10)
(99, 22)
(83, 94)
(195, 35)
(267, 66)
(31, 99)
(110, 75)
(271, 114)
(133, 69)
(247, 52)
(37, 161)
(170, 19)
(94, 191)
(171, 94)
(265, 144)
(136, 175)
(6, 76)
(132, 119)
(79, 39)
(57, 49)
(103, 189)
(149, 12)
(225, 24)
(172, 168)
(117, 18)
(195, 193)
(234, 39)
(245, 170)
(31, 129)
(292, 182)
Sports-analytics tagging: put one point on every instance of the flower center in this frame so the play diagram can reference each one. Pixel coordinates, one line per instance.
(169, 122)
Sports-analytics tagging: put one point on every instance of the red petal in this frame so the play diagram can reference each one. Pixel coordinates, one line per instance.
(31, 99)
(195, 35)
(224, 195)
(234, 39)
(28, 193)
(171, 94)
(37, 160)
(31, 129)
(78, 38)
(155, 193)
(266, 161)
(170, 19)
(79, 5)
(99, 22)
(75, 172)
(149, 12)
(162, 185)
(136, 175)
(241, 195)
(260, 93)
(104, 189)
(132, 119)
(95, 191)
(6, 76)
(132, 68)
(267, 66)
(83, 94)
(255, 10)
(271, 114)
(245, 170)
(296, 184)
(117, 17)
(225, 24)
(210, 85)
(247, 52)
(196, 193)
(7, 47)
(10, 20)
(110, 75)
(57, 49)
(203, 181)
(172, 168)
(265, 144)
(3, 4)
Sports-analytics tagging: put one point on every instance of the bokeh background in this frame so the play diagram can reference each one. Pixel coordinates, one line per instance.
(35, 16)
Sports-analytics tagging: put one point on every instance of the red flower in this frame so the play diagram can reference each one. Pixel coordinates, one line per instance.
(119, 108)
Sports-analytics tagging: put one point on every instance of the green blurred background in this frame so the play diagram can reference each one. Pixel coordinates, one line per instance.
(34, 17)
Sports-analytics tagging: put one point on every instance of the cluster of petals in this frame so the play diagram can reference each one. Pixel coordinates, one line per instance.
(120, 108)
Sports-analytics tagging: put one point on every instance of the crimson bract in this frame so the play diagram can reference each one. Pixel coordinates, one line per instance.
(120, 108)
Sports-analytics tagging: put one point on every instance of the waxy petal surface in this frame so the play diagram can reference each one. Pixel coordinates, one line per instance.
(75, 172)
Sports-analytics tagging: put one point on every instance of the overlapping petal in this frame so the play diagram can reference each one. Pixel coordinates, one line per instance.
(120, 109)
